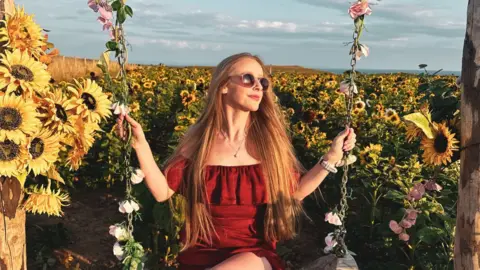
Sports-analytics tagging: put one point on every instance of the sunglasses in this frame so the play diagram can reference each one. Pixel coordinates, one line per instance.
(248, 80)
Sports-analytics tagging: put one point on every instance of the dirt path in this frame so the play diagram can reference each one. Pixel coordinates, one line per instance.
(81, 236)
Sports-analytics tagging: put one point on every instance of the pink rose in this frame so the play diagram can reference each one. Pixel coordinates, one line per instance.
(406, 223)
(106, 23)
(404, 237)
(412, 213)
(333, 218)
(417, 192)
(432, 186)
(105, 13)
(395, 227)
(93, 5)
(358, 9)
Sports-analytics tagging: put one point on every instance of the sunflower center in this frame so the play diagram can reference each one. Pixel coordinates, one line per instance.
(9, 150)
(19, 91)
(21, 72)
(10, 118)
(90, 101)
(440, 143)
(36, 148)
(61, 113)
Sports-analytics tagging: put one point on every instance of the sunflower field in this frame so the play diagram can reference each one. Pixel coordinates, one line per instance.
(402, 186)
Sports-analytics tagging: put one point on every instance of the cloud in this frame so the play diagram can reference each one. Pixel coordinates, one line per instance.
(175, 44)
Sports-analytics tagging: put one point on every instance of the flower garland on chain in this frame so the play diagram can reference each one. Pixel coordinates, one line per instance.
(126, 249)
(335, 240)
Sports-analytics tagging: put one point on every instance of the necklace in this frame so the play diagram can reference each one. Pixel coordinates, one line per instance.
(236, 152)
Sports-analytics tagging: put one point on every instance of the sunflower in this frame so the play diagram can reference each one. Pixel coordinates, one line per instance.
(370, 154)
(136, 86)
(55, 112)
(22, 74)
(187, 97)
(413, 132)
(395, 119)
(360, 105)
(90, 103)
(299, 127)
(390, 112)
(43, 148)
(42, 200)
(331, 84)
(22, 33)
(356, 112)
(13, 158)
(147, 85)
(439, 149)
(17, 118)
(80, 142)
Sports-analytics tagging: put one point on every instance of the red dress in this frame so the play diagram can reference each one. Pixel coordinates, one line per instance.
(237, 198)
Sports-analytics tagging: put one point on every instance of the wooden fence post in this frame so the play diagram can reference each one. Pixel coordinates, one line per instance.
(467, 238)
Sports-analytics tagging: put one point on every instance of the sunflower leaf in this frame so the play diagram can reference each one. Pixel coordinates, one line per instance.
(421, 122)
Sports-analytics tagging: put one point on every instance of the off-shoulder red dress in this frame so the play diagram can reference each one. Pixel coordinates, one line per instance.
(237, 198)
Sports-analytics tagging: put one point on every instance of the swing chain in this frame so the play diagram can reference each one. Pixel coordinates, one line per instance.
(122, 61)
(341, 231)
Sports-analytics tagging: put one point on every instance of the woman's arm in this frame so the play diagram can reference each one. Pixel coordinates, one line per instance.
(311, 180)
(344, 141)
(154, 178)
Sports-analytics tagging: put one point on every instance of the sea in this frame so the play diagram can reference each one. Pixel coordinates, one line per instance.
(389, 71)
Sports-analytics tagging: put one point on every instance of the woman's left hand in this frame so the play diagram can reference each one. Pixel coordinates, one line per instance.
(345, 141)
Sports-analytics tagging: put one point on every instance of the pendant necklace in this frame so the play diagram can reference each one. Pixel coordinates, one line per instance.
(236, 152)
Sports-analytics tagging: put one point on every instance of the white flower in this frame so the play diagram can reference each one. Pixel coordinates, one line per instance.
(333, 219)
(119, 109)
(134, 206)
(345, 87)
(362, 51)
(330, 242)
(137, 176)
(118, 232)
(118, 251)
(125, 207)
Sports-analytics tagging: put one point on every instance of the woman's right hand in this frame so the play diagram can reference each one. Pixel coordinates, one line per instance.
(138, 137)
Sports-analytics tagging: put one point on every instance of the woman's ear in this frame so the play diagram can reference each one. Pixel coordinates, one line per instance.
(224, 90)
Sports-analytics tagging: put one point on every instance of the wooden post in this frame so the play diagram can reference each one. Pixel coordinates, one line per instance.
(467, 238)
(13, 252)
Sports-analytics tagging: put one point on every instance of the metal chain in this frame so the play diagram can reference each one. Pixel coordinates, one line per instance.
(341, 231)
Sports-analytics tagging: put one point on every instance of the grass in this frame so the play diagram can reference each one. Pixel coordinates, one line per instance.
(66, 68)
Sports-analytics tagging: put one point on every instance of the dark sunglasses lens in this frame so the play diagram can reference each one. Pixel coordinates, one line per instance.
(248, 80)
(265, 83)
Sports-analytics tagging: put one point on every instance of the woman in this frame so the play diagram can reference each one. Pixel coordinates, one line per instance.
(237, 169)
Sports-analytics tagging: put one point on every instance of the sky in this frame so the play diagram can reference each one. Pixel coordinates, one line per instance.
(401, 34)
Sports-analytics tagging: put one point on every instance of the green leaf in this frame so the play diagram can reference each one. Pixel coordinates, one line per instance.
(111, 45)
(129, 11)
(430, 235)
(121, 15)
(116, 5)
(395, 195)
(420, 121)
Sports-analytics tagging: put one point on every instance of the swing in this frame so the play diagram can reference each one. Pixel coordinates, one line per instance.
(341, 259)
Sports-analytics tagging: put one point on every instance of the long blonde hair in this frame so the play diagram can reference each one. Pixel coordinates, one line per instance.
(268, 134)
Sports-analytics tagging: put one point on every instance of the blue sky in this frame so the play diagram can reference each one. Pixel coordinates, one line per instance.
(400, 33)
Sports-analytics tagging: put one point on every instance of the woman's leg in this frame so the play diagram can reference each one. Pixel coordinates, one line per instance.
(244, 260)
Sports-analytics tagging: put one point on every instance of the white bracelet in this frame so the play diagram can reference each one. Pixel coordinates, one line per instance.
(328, 166)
